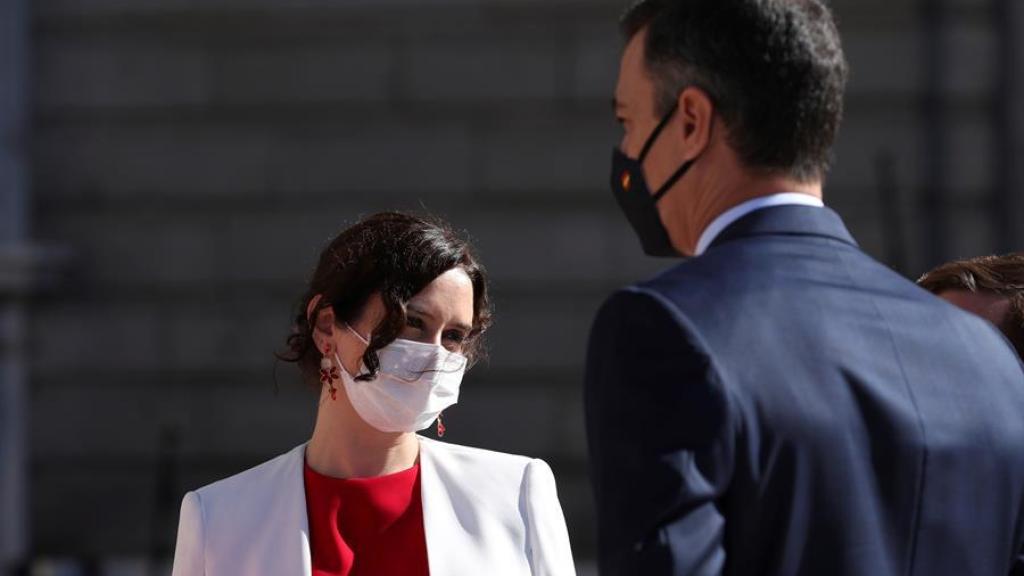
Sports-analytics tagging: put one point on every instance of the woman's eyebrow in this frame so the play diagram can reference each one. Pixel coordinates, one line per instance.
(421, 312)
(464, 327)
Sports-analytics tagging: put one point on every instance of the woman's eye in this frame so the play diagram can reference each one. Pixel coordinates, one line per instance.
(414, 322)
(455, 336)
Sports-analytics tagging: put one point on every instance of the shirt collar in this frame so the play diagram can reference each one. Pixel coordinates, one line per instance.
(740, 210)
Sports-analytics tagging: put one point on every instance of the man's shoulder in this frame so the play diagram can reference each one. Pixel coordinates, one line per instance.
(759, 265)
(644, 312)
(751, 284)
(690, 288)
(679, 293)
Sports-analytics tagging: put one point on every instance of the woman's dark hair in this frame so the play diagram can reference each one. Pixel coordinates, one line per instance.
(1000, 275)
(396, 255)
(774, 69)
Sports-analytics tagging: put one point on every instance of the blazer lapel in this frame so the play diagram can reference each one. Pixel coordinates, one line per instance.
(455, 527)
(288, 546)
(449, 519)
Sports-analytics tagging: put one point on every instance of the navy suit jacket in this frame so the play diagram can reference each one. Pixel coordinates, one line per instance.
(785, 405)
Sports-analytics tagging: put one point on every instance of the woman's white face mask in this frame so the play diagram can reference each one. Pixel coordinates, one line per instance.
(415, 383)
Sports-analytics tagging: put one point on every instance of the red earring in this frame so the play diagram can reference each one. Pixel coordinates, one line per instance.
(329, 373)
(440, 426)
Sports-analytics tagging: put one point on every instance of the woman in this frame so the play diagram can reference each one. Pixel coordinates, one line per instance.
(391, 320)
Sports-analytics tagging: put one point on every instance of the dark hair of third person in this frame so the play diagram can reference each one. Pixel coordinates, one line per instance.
(1000, 275)
(774, 70)
(396, 255)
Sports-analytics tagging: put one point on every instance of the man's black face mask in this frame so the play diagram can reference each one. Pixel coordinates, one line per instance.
(635, 199)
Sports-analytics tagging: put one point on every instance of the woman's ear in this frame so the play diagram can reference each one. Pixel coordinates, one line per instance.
(322, 323)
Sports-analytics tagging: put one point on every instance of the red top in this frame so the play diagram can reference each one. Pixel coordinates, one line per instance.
(366, 526)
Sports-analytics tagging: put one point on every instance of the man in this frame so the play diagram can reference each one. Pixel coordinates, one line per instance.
(990, 286)
(781, 404)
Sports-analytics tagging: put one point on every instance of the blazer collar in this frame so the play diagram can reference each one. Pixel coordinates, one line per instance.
(787, 221)
(445, 531)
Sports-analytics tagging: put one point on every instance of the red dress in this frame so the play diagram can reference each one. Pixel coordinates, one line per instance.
(366, 526)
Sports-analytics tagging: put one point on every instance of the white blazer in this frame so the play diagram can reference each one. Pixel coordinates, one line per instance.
(483, 513)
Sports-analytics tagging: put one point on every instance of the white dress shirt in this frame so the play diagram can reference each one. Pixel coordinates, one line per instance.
(739, 211)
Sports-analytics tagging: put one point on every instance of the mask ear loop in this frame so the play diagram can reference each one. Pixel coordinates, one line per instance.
(357, 334)
(680, 172)
(673, 179)
(360, 338)
(657, 130)
(650, 144)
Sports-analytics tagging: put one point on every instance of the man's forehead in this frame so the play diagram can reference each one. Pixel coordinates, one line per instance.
(633, 82)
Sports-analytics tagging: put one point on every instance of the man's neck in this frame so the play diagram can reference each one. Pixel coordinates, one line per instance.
(731, 192)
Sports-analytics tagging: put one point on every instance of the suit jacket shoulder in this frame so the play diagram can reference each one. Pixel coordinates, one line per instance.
(852, 394)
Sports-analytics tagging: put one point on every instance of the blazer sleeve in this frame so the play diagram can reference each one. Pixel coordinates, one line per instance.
(660, 440)
(547, 536)
(189, 550)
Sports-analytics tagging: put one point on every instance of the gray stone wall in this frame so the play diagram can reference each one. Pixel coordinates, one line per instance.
(195, 156)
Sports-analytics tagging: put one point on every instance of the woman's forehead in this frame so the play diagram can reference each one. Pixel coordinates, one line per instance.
(450, 295)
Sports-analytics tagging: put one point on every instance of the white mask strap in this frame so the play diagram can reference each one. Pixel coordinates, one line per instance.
(357, 334)
(342, 366)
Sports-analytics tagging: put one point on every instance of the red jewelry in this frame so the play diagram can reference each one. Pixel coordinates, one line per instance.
(329, 373)
(440, 426)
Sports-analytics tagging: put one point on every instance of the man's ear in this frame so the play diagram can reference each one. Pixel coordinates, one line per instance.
(696, 112)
